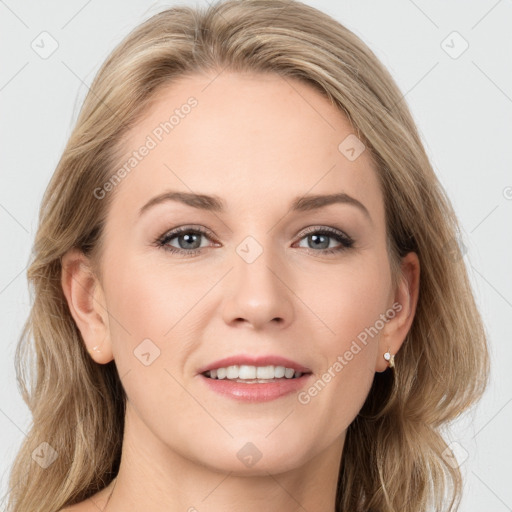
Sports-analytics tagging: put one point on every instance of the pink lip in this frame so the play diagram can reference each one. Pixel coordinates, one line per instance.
(257, 392)
(254, 361)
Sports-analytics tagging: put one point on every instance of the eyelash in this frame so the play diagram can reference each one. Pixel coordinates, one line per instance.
(162, 241)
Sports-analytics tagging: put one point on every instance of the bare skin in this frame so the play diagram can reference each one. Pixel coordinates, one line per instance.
(257, 143)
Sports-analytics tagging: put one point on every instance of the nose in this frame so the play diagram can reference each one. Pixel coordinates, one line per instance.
(256, 291)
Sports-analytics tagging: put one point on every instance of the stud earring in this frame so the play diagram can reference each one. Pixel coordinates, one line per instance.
(388, 356)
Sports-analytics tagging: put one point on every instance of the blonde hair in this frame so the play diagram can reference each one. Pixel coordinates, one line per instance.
(393, 455)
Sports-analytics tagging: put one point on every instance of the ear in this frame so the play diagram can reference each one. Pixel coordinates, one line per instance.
(86, 302)
(401, 311)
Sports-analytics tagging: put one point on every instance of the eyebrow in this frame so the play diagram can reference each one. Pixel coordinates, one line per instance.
(216, 204)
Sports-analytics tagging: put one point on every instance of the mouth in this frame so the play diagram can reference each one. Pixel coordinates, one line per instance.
(248, 374)
(250, 367)
(252, 384)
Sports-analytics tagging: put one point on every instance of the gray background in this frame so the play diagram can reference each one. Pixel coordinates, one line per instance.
(461, 101)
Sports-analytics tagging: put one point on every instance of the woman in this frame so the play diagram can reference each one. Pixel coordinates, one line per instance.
(248, 290)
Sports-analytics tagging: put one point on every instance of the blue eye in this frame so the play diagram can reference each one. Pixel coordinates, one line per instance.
(320, 239)
(187, 238)
(189, 244)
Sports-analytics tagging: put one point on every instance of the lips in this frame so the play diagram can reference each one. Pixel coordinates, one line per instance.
(253, 393)
(269, 360)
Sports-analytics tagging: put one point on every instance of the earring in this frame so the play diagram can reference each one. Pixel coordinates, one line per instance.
(388, 356)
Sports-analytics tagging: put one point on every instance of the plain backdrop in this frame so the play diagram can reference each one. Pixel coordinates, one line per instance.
(452, 61)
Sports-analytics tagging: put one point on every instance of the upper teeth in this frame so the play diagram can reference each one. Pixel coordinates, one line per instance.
(253, 372)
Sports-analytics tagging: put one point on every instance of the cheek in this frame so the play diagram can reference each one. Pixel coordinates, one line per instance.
(154, 309)
(142, 309)
(349, 300)
(151, 300)
(352, 306)
(148, 329)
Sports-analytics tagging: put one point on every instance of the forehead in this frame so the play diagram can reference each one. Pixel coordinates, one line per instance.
(253, 139)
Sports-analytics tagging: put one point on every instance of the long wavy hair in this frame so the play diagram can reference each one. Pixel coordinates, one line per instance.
(395, 456)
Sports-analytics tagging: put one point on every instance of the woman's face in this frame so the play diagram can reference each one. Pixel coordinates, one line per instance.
(254, 275)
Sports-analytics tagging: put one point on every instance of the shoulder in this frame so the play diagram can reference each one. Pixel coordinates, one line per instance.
(78, 507)
(92, 504)
(83, 506)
